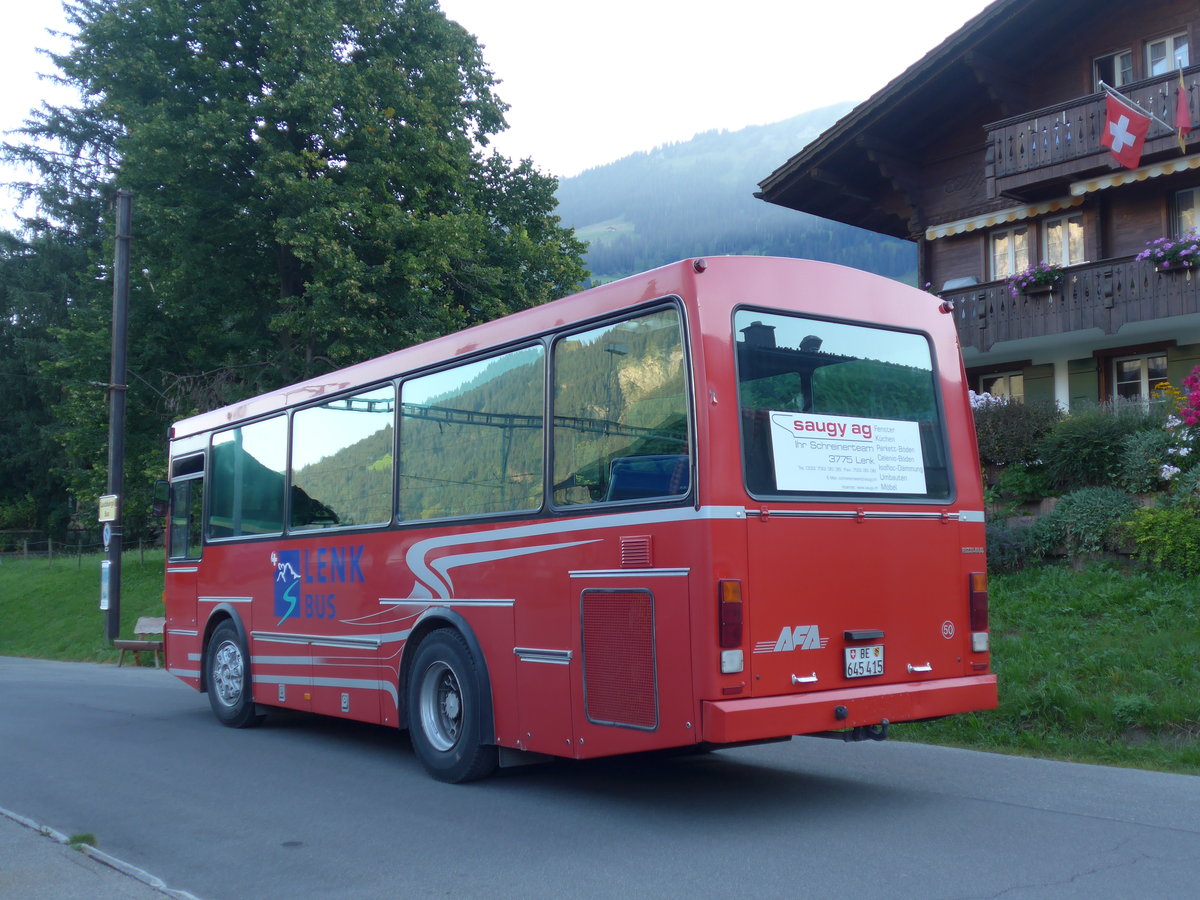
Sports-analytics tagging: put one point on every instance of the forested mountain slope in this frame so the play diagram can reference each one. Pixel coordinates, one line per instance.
(697, 198)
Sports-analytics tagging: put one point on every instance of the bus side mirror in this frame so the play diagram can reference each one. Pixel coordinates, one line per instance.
(158, 506)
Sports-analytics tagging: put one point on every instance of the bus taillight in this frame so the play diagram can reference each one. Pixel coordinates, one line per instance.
(729, 622)
(979, 611)
(730, 602)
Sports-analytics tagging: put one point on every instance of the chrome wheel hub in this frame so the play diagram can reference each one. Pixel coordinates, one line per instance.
(227, 673)
(441, 706)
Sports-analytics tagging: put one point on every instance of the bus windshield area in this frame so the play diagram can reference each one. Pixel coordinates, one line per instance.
(838, 409)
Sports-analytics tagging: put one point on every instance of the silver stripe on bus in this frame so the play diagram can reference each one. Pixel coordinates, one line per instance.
(426, 601)
(850, 514)
(347, 643)
(319, 640)
(287, 660)
(279, 638)
(630, 573)
(432, 578)
(356, 642)
(179, 570)
(183, 632)
(184, 673)
(225, 599)
(534, 655)
(970, 515)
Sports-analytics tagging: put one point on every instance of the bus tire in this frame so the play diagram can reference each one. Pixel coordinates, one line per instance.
(227, 677)
(443, 701)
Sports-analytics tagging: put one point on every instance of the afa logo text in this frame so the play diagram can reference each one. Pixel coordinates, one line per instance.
(802, 637)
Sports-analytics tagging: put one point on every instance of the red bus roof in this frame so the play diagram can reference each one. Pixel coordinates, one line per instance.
(674, 279)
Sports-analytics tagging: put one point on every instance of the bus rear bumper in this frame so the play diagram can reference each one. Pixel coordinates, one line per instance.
(758, 718)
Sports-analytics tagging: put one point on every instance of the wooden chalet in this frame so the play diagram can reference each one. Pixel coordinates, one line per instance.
(987, 154)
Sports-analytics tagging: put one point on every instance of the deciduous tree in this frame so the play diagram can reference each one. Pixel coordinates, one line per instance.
(313, 186)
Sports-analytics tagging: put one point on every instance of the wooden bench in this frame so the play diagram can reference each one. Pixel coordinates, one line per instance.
(144, 629)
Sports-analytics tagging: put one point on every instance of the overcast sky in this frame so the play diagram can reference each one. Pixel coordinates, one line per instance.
(591, 83)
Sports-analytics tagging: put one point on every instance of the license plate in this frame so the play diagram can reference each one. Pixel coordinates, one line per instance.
(864, 661)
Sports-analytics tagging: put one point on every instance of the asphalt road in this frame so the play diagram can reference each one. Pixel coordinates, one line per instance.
(305, 807)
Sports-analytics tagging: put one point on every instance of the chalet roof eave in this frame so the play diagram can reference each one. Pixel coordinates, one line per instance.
(834, 140)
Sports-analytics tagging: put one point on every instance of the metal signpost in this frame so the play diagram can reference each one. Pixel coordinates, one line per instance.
(110, 503)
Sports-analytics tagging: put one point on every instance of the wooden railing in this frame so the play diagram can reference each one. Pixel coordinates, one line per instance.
(1104, 295)
(1070, 132)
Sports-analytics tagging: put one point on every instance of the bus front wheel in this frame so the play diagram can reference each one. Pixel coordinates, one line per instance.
(227, 677)
(443, 701)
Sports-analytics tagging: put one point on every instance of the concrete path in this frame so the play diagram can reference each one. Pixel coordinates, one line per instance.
(36, 863)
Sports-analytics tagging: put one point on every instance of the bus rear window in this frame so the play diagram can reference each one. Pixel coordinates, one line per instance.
(838, 410)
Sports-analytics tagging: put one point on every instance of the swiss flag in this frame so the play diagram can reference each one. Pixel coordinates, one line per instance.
(1124, 132)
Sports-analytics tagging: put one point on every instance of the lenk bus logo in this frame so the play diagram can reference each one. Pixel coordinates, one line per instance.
(323, 566)
(287, 584)
(802, 637)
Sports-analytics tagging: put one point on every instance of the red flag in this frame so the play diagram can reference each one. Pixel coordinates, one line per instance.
(1183, 115)
(1124, 132)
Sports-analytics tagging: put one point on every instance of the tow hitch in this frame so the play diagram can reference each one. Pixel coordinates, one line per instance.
(867, 733)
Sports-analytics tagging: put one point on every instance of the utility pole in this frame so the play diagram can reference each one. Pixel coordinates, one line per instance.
(110, 585)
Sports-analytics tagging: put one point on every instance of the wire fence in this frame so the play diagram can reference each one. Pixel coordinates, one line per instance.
(51, 553)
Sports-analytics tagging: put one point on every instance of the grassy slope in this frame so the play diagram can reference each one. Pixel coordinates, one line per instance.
(1097, 666)
(52, 610)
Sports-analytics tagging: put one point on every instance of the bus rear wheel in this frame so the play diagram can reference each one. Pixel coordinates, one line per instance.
(227, 677)
(443, 701)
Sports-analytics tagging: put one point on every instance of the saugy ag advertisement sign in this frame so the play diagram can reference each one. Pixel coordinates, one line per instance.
(846, 454)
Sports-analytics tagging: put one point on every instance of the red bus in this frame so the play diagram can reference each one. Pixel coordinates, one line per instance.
(727, 501)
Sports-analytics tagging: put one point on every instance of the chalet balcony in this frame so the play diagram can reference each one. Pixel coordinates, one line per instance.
(1037, 153)
(1104, 295)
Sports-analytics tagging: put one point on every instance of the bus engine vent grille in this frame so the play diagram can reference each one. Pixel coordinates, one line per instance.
(635, 552)
(620, 682)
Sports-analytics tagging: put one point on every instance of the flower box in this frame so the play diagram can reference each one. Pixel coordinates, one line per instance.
(1039, 279)
(1173, 254)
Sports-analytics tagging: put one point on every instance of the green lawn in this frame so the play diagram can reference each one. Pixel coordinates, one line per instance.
(1098, 666)
(51, 608)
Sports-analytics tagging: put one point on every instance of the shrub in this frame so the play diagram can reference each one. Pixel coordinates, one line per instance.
(1023, 484)
(1009, 431)
(1143, 455)
(1169, 537)
(1090, 519)
(1184, 490)
(1084, 449)
(1046, 538)
(1009, 547)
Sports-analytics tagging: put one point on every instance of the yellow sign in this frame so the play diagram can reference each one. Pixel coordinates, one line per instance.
(108, 508)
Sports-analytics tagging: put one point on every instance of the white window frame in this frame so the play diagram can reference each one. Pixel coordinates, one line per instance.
(1175, 54)
(1185, 211)
(1012, 258)
(1144, 384)
(1064, 257)
(1122, 68)
(1009, 385)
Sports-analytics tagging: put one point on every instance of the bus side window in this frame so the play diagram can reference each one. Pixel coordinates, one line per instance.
(246, 471)
(184, 538)
(471, 438)
(621, 412)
